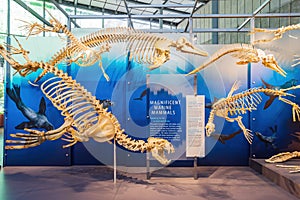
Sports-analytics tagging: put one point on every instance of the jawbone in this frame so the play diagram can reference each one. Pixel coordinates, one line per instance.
(158, 147)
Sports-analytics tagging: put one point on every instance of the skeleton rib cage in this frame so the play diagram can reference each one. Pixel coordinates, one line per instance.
(71, 99)
(240, 103)
(141, 45)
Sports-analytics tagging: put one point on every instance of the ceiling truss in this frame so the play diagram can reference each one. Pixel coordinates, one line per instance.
(163, 14)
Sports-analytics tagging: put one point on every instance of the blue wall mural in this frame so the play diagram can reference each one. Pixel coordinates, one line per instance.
(130, 96)
(272, 123)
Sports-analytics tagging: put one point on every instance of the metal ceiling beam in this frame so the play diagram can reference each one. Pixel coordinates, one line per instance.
(64, 12)
(196, 30)
(264, 15)
(254, 13)
(192, 12)
(204, 2)
(128, 13)
(35, 14)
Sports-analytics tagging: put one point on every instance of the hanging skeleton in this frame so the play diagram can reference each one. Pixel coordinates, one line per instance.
(246, 53)
(84, 115)
(277, 33)
(240, 103)
(144, 48)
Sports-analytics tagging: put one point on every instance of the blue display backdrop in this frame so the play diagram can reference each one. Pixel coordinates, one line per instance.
(167, 109)
(133, 89)
(272, 123)
(215, 81)
(27, 107)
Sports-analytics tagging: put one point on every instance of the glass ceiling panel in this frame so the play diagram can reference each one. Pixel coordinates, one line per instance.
(87, 2)
(111, 6)
(97, 4)
(118, 7)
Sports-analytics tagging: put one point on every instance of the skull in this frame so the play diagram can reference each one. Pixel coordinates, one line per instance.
(158, 147)
(210, 128)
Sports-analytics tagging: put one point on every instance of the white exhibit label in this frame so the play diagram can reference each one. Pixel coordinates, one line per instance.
(195, 134)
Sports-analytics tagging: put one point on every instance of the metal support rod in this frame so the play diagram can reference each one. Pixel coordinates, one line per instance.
(161, 12)
(191, 29)
(192, 12)
(174, 16)
(195, 157)
(252, 26)
(64, 12)
(195, 169)
(148, 173)
(68, 42)
(249, 77)
(115, 162)
(195, 85)
(44, 15)
(35, 14)
(129, 15)
(7, 81)
(102, 18)
(254, 13)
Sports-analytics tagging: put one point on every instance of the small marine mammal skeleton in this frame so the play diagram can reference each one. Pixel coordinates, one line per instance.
(240, 103)
(282, 157)
(144, 48)
(246, 53)
(277, 33)
(285, 156)
(84, 115)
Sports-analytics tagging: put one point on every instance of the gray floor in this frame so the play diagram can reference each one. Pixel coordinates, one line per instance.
(280, 176)
(95, 182)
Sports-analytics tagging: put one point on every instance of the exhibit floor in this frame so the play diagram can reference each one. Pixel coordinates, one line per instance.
(96, 182)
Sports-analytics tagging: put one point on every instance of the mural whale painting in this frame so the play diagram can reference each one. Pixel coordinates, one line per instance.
(144, 93)
(222, 138)
(268, 139)
(36, 119)
(106, 103)
(288, 84)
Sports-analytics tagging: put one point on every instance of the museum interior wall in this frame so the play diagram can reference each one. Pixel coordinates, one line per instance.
(256, 120)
